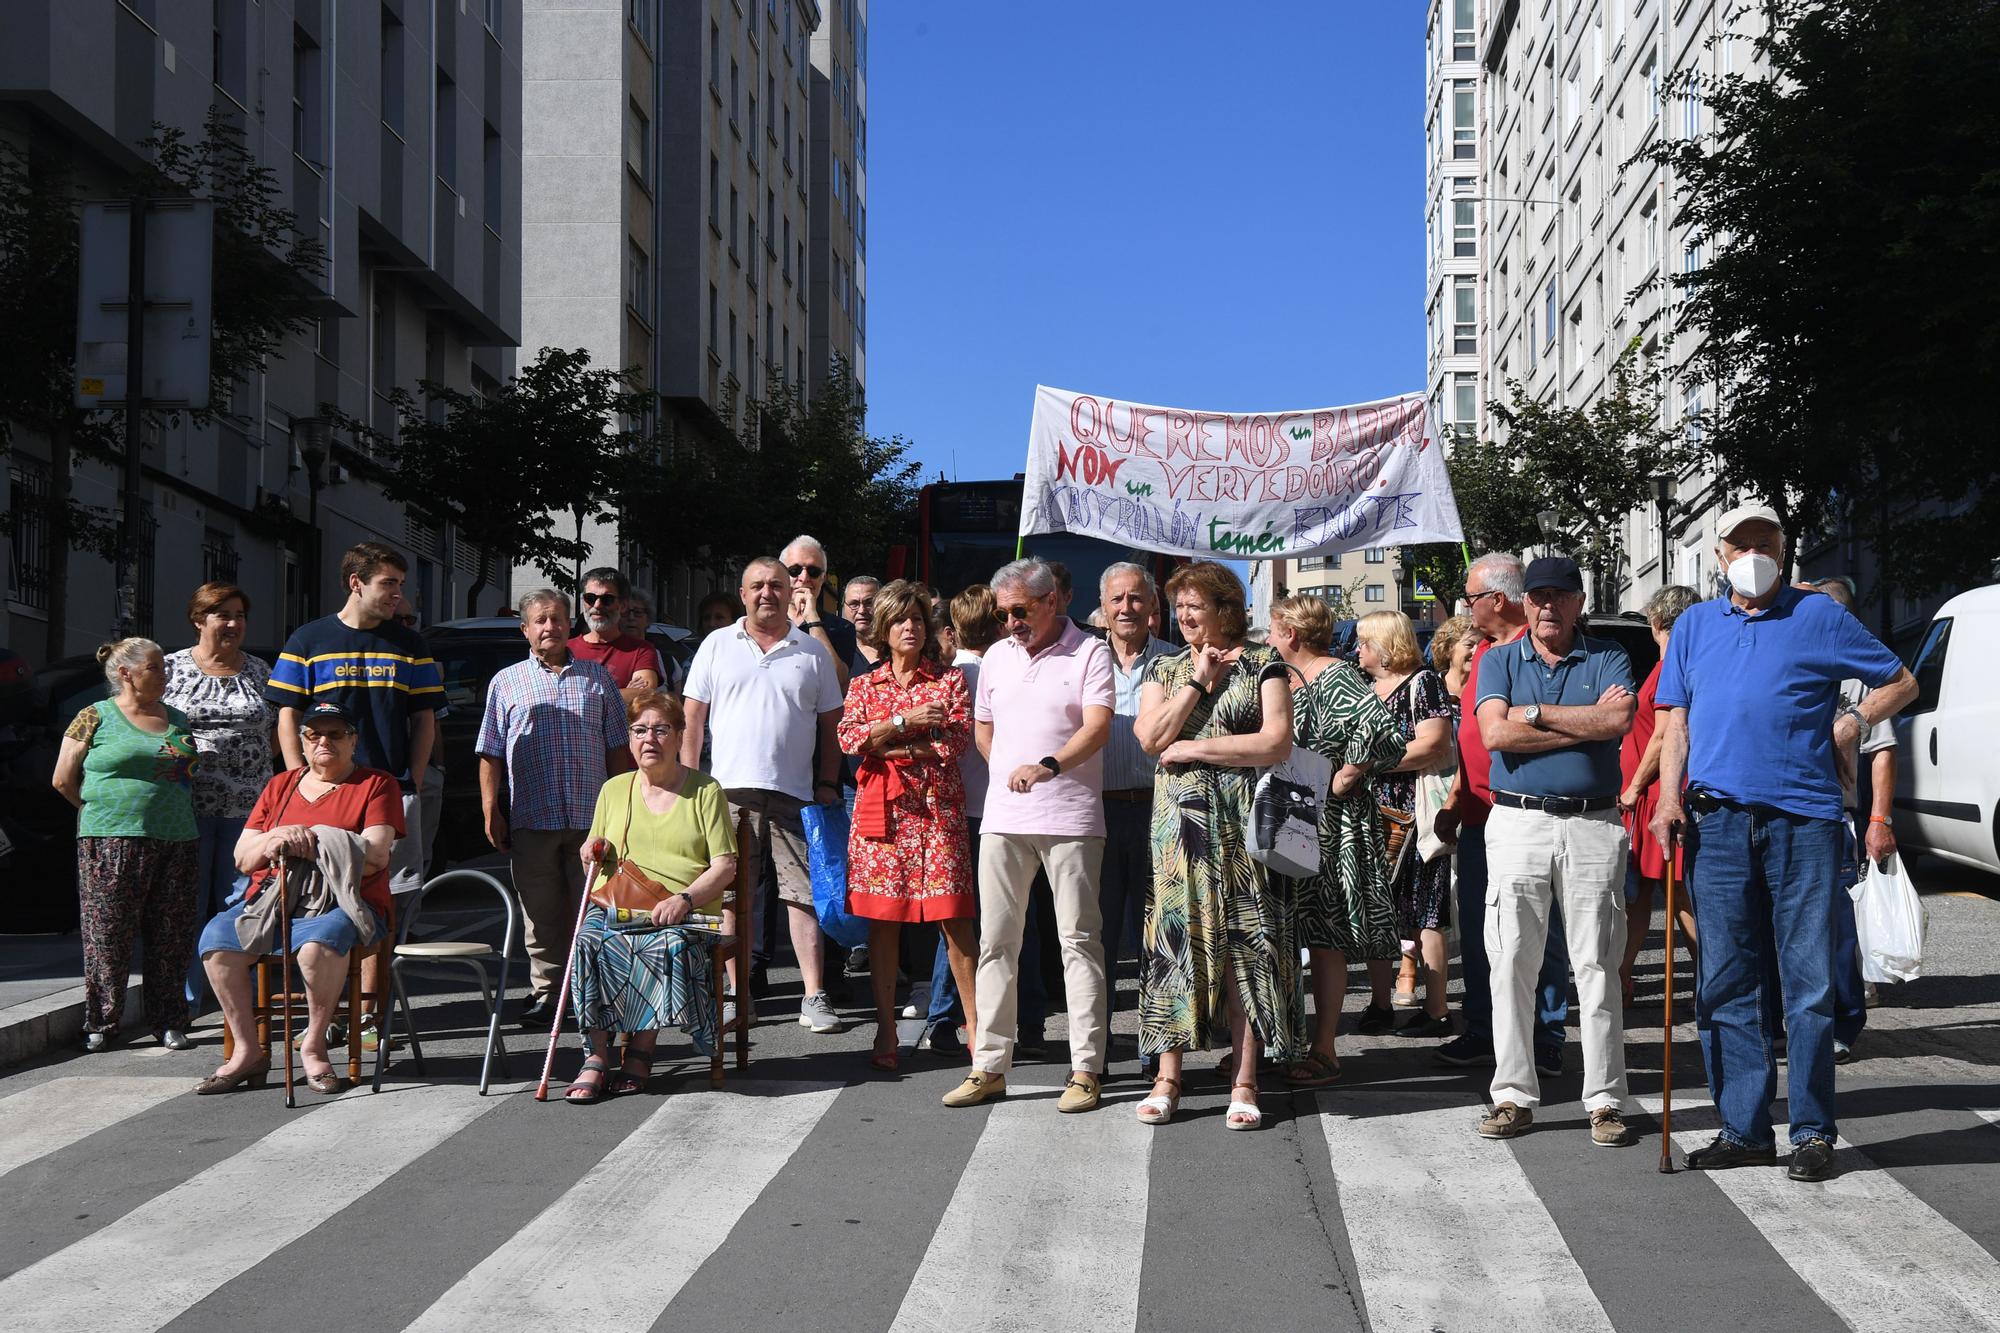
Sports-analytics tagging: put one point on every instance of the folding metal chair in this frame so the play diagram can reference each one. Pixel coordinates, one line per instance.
(442, 957)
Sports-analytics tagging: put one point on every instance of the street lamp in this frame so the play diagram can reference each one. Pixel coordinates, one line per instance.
(1663, 499)
(312, 438)
(1550, 523)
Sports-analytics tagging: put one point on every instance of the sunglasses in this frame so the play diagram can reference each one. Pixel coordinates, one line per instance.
(594, 598)
(810, 571)
(320, 734)
(1016, 612)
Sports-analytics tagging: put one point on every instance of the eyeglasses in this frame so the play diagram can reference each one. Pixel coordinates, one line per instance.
(810, 571)
(593, 598)
(1474, 598)
(856, 603)
(662, 731)
(320, 735)
(1016, 612)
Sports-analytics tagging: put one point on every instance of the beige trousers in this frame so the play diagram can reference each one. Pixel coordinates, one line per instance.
(1007, 865)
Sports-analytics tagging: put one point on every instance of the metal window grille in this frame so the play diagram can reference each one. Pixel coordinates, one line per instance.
(33, 549)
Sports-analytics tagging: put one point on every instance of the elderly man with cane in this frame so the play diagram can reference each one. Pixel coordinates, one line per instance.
(1751, 689)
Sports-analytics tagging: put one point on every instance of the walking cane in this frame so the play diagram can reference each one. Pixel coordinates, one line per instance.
(285, 976)
(562, 996)
(1667, 1056)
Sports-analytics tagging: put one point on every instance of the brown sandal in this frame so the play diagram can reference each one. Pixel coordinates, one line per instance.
(1313, 1070)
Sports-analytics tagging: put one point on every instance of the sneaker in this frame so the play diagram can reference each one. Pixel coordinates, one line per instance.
(1080, 1093)
(1374, 1022)
(817, 1014)
(1505, 1121)
(943, 1039)
(1870, 997)
(1549, 1061)
(370, 1038)
(1426, 1026)
(857, 962)
(978, 1087)
(1811, 1160)
(729, 1016)
(1405, 999)
(1842, 1052)
(1609, 1130)
(1721, 1155)
(1465, 1052)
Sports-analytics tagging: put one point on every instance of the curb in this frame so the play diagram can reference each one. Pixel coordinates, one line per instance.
(53, 1022)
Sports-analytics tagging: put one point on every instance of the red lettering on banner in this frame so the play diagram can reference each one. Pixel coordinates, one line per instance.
(1254, 439)
(1085, 428)
(1089, 464)
(1322, 439)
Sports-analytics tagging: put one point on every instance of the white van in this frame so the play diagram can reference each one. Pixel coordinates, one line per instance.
(1948, 764)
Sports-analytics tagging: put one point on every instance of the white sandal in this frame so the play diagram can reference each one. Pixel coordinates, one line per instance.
(1243, 1115)
(1159, 1110)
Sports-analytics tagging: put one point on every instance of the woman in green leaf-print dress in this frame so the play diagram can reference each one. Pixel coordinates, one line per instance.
(1345, 912)
(1218, 962)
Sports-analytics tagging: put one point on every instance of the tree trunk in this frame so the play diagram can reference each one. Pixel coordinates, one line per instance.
(478, 583)
(56, 644)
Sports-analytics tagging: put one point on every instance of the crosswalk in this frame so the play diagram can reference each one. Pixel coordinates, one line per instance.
(1042, 1220)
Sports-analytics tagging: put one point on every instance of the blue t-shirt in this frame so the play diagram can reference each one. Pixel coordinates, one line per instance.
(1760, 690)
(383, 675)
(1516, 672)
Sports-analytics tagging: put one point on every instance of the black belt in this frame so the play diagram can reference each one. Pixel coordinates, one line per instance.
(1131, 795)
(1555, 805)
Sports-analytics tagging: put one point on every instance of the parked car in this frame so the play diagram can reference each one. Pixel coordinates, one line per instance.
(469, 653)
(1947, 780)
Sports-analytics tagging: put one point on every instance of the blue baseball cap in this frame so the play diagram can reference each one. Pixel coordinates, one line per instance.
(326, 710)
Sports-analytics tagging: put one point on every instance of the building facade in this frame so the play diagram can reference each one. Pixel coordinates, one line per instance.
(839, 302)
(668, 191)
(393, 129)
(1361, 581)
(1549, 251)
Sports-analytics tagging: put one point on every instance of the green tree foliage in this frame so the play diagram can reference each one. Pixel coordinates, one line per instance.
(1850, 203)
(1497, 504)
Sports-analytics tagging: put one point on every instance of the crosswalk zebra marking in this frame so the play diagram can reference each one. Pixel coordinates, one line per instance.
(51, 1116)
(1048, 1220)
(1507, 1265)
(143, 1270)
(686, 1174)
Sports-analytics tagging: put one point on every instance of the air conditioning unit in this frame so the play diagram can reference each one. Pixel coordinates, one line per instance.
(336, 474)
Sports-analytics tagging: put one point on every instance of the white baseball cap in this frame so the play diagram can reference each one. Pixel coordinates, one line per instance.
(1726, 526)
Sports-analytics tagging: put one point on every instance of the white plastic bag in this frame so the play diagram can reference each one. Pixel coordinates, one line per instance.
(1888, 922)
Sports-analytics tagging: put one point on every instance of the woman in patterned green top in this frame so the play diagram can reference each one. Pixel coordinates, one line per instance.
(1217, 940)
(1344, 911)
(127, 764)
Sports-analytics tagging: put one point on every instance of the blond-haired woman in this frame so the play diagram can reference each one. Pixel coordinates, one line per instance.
(1421, 705)
(1344, 912)
(127, 765)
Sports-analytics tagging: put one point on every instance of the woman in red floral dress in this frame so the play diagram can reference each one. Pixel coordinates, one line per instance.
(908, 721)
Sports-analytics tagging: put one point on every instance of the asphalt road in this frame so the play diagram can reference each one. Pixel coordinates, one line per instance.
(815, 1194)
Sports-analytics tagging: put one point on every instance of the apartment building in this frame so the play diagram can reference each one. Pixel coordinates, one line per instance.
(1368, 580)
(1548, 250)
(668, 193)
(393, 127)
(839, 307)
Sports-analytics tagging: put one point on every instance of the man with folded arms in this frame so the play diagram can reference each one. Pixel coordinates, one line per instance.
(1552, 707)
(1041, 717)
(1754, 719)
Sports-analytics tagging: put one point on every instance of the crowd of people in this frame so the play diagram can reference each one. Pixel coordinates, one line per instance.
(1015, 782)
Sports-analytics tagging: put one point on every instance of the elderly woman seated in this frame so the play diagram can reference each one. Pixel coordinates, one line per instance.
(670, 824)
(334, 822)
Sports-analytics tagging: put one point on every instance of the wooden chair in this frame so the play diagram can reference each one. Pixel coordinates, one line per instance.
(736, 945)
(274, 974)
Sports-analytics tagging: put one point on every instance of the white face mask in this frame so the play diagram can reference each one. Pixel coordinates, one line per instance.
(1753, 574)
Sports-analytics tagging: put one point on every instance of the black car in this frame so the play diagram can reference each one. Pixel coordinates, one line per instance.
(469, 653)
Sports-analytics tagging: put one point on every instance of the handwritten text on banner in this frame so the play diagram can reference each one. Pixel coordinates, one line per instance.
(1237, 485)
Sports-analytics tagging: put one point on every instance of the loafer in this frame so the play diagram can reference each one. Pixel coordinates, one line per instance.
(1549, 1061)
(1464, 1052)
(1426, 1026)
(1811, 1160)
(978, 1087)
(1505, 1121)
(1721, 1155)
(174, 1039)
(1080, 1093)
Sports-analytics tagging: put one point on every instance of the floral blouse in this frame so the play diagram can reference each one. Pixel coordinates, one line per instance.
(232, 731)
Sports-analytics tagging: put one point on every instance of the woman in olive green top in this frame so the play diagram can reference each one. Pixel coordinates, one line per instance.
(127, 766)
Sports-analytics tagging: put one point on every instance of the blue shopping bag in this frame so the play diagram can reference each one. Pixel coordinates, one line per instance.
(826, 849)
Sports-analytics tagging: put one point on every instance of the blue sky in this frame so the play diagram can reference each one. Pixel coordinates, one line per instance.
(1192, 204)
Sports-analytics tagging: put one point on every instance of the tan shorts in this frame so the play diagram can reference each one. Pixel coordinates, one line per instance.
(777, 840)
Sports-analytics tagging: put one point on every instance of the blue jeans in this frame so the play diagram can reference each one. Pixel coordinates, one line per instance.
(216, 883)
(1124, 881)
(1551, 983)
(1850, 994)
(1764, 885)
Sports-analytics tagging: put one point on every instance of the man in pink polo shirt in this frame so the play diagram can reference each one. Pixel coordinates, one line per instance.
(1041, 718)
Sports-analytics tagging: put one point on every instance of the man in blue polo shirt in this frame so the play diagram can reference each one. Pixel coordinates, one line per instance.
(1552, 706)
(1751, 691)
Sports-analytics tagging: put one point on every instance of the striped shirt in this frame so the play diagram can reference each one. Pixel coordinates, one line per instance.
(1126, 766)
(552, 728)
(384, 676)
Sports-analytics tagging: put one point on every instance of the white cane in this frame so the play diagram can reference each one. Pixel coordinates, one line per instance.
(569, 968)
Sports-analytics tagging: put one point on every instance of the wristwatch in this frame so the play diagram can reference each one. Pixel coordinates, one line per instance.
(1533, 716)
(897, 721)
(1854, 711)
(1048, 761)
(686, 897)
(811, 625)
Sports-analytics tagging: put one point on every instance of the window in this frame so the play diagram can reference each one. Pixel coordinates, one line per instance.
(1311, 562)
(1929, 668)
(750, 362)
(788, 134)
(1464, 315)
(770, 100)
(1549, 314)
(735, 91)
(785, 360)
(639, 145)
(732, 343)
(1461, 31)
(1649, 222)
(1465, 401)
(1690, 114)
(734, 211)
(392, 71)
(802, 272)
(754, 265)
(639, 13)
(1692, 410)
(753, 127)
(1576, 335)
(445, 127)
(493, 172)
(306, 99)
(32, 536)
(770, 211)
(1464, 133)
(1651, 72)
(1572, 100)
(1376, 593)
(714, 59)
(638, 281)
(861, 234)
(786, 253)
(228, 52)
(1691, 257)
(711, 320)
(714, 194)
(494, 11)
(1464, 239)
(1375, 555)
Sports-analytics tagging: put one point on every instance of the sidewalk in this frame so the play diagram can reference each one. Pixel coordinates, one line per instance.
(41, 994)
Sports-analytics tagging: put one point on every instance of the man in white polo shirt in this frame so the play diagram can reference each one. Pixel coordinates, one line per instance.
(769, 691)
(1041, 717)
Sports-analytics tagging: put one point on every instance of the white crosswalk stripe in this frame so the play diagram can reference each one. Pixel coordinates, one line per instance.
(143, 1270)
(50, 1116)
(688, 1173)
(1491, 1255)
(1028, 1239)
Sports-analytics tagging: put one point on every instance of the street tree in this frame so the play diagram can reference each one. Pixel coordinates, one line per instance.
(1497, 503)
(1848, 203)
(265, 267)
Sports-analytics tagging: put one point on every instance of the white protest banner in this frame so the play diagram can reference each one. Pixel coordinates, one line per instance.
(1237, 485)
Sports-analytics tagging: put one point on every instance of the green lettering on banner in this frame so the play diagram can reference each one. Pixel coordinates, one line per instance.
(1222, 539)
